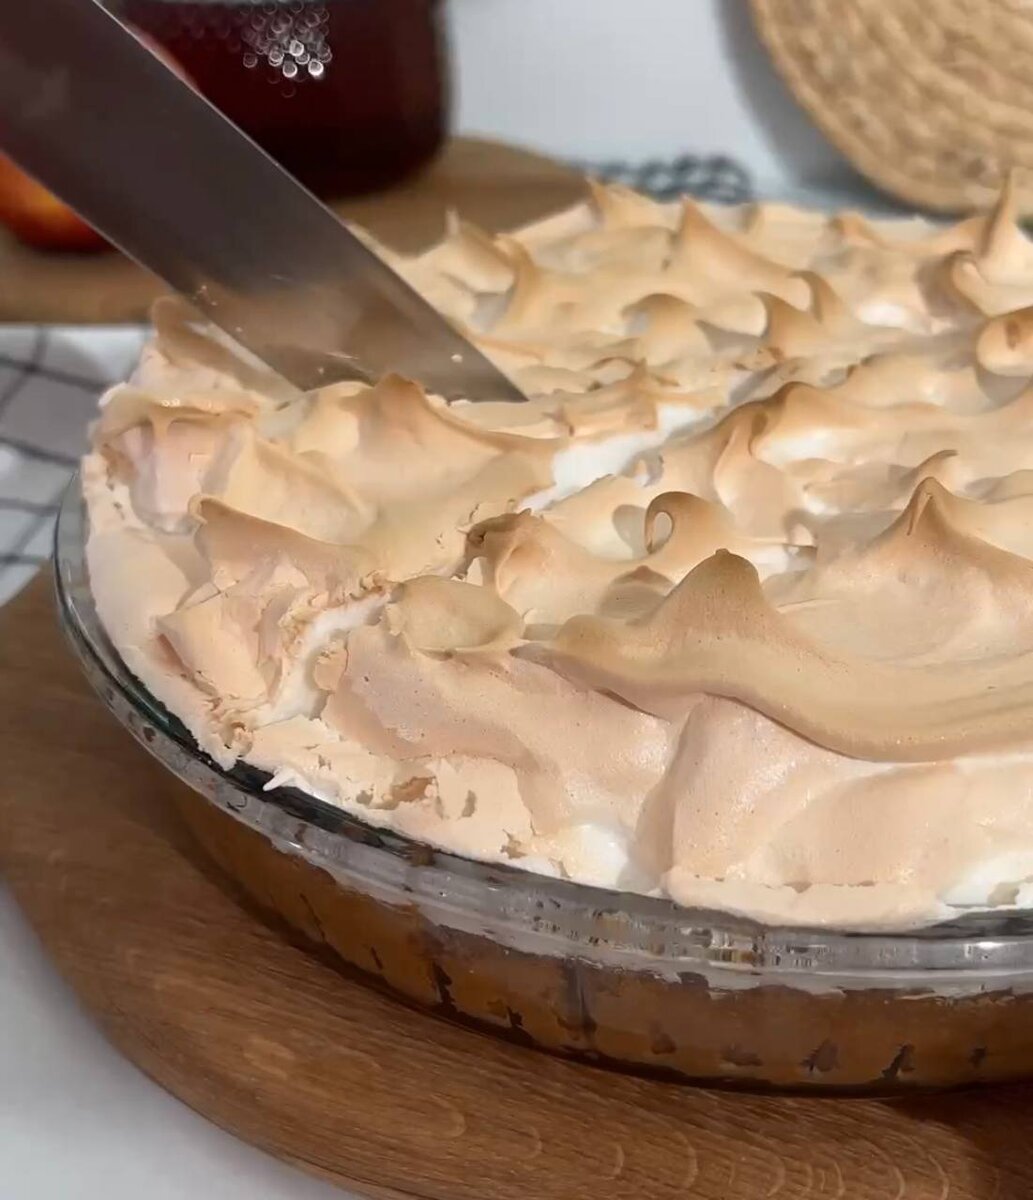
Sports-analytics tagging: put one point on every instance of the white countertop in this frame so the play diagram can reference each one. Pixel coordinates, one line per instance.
(79, 1122)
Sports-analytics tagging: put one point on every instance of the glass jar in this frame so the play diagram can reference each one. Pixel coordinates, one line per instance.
(349, 95)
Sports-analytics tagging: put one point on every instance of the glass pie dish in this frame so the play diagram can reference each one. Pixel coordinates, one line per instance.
(617, 979)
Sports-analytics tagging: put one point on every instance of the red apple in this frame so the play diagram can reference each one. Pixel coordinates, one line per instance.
(38, 218)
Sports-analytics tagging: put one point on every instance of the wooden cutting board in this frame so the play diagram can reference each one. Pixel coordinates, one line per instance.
(496, 186)
(277, 1046)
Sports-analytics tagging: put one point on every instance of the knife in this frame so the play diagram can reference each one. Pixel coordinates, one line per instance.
(101, 121)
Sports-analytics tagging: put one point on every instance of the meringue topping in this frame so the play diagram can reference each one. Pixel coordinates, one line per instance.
(737, 608)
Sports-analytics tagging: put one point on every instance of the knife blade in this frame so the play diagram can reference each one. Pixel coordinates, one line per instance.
(102, 122)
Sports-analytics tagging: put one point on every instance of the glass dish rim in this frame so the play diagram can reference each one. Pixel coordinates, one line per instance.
(987, 942)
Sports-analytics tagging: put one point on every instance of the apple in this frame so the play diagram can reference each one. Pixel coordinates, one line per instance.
(38, 218)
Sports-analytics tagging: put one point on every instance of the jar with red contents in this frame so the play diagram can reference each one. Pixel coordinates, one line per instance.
(349, 95)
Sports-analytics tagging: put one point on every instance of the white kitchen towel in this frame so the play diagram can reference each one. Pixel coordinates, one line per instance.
(50, 377)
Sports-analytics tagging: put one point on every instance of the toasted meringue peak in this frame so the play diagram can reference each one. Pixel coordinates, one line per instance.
(446, 616)
(717, 634)
(1005, 345)
(235, 545)
(200, 353)
(737, 608)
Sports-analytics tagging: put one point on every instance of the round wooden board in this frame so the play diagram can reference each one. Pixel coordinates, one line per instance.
(272, 1043)
(497, 187)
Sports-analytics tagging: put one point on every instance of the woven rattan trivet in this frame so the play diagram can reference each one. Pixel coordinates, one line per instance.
(931, 99)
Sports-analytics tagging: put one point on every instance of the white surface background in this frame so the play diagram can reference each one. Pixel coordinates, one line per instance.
(635, 78)
(583, 78)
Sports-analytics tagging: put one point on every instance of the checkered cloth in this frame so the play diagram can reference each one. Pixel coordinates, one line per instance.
(712, 177)
(49, 380)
